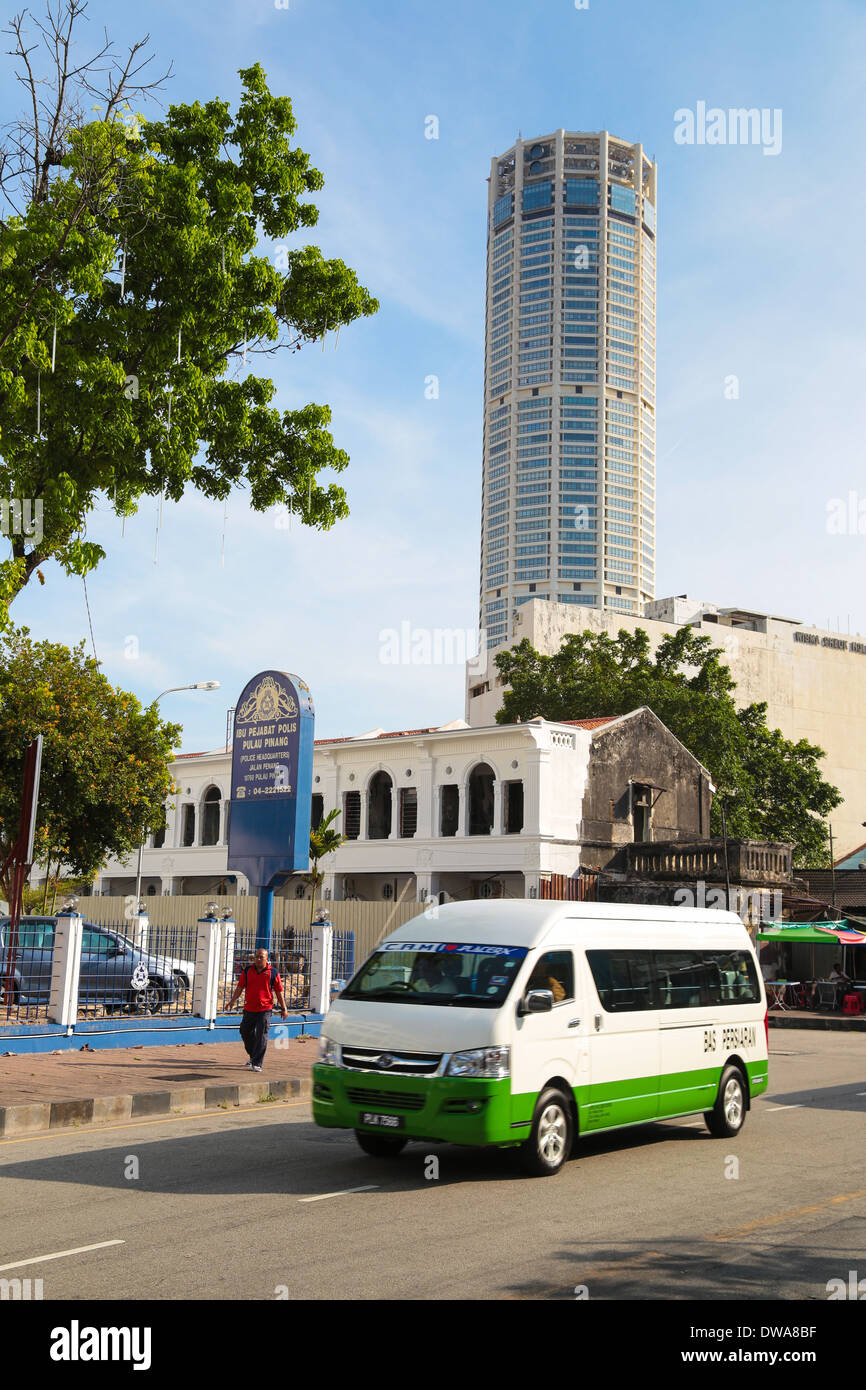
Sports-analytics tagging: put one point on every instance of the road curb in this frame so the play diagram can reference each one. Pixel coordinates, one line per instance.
(837, 1025)
(44, 1117)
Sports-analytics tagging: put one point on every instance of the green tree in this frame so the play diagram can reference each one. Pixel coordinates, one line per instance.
(323, 840)
(105, 759)
(133, 302)
(773, 787)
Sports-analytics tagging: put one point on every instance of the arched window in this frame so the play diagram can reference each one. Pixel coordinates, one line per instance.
(379, 807)
(481, 781)
(188, 832)
(210, 825)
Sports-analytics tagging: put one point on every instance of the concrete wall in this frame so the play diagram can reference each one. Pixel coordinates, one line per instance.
(812, 680)
(640, 749)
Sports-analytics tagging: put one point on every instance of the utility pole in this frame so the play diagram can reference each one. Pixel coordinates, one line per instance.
(832, 872)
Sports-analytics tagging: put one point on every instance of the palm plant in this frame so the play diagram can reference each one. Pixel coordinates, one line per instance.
(323, 840)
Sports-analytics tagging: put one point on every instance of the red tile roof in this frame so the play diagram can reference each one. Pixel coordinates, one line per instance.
(594, 723)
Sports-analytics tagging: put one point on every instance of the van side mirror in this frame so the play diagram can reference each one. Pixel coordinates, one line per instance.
(537, 1001)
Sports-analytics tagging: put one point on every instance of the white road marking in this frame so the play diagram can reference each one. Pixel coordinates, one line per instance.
(323, 1196)
(61, 1254)
(786, 1107)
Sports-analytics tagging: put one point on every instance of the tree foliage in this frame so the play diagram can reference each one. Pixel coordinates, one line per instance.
(772, 787)
(105, 759)
(323, 840)
(132, 306)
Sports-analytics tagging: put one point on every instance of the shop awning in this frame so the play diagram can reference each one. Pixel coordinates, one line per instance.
(814, 933)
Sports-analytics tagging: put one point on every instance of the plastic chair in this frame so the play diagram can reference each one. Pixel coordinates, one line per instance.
(852, 1004)
(826, 995)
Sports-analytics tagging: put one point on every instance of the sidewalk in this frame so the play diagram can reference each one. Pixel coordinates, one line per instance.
(64, 1090)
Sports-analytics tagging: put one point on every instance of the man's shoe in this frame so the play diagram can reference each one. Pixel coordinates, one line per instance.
(248, 1066)
(255, 1068)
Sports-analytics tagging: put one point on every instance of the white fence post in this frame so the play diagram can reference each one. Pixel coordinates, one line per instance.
(205, 985)
(320, 967)
(227, 953)
(65, 968)
(140, 924)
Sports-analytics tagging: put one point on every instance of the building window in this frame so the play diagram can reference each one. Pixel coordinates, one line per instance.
(408, 812)
(537, 195)
(188, 831)
(159, 838)
(641, 810)
(210, 825)
(480, 789)
(502, 209)
(583, 192)
(351, 815)
(513, 808)
(317, 810)
(450, 811)
(379, 807)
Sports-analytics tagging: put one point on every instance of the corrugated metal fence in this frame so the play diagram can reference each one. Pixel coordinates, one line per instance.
(370, 922)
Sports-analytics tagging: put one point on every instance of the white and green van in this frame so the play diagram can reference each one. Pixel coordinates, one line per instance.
(530, 1023)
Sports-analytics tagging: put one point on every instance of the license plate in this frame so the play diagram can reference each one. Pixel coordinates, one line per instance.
(369, 1117)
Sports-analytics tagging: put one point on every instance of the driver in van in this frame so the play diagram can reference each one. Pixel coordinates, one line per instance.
(541, 978)
(437, 974)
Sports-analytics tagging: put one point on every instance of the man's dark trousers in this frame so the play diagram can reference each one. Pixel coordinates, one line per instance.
(254, 1033)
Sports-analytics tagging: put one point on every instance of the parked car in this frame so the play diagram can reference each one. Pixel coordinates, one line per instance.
(114, 971)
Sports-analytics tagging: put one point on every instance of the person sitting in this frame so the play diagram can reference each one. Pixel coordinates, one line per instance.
(541, 978)
(435, 974)
(837, 974)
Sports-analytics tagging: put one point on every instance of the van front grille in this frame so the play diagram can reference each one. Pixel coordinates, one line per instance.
(394, 1063)
(391, 1100)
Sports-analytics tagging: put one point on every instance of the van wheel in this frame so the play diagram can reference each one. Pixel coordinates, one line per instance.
(379, 1145)
(729, 1112)
(549, 1142)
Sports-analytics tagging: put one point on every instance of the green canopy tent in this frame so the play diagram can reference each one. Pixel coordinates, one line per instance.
(839, 934)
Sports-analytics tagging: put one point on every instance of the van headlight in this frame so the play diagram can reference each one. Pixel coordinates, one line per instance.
(329, 1052)
(490, 1062)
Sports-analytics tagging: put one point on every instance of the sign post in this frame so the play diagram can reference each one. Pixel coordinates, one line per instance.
(272, 783)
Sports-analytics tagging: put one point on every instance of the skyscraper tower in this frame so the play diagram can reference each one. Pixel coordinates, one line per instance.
(569, 378)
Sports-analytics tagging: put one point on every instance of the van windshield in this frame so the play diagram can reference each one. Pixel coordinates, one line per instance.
(453, 974)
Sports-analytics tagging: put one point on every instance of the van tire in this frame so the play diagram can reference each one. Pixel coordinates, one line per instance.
(550, 1139)
(729, 1112)
(380, 1145)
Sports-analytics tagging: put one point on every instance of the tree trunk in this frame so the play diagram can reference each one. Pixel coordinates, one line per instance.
(315, 878)
(47, 882)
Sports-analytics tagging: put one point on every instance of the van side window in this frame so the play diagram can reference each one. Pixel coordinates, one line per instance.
(680, 980)
(732, 977)
(554, 971)
(624, 980)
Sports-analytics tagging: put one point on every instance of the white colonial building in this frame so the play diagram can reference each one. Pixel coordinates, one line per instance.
(457, 811)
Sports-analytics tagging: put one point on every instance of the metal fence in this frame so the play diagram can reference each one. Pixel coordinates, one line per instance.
(25, 970)
(368, 921)
(290, 954)
(150, 972)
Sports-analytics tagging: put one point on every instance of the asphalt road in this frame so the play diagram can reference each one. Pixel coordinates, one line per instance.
(262, 1205)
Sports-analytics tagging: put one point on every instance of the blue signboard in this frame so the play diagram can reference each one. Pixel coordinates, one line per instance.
(272, 777)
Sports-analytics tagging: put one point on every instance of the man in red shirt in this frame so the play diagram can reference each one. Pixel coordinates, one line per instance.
(259, 983)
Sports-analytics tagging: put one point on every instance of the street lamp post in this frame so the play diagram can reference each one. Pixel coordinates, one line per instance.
(727, 869)
(197, 685)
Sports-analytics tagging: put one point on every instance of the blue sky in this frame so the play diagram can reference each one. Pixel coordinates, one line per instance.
(760, 277)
